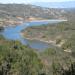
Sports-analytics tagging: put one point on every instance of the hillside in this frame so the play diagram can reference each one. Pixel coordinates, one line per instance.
(18, 59)
(24, 10)
(12, 14)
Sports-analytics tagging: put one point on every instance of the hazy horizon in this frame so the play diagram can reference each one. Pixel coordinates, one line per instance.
(32, 1)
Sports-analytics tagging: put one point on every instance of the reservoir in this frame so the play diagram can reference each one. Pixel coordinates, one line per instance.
(14, 33)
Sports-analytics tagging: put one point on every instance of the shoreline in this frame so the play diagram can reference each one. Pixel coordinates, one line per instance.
(41, 40)
(50, 41)
(13, 25)
(53, 42)
(49, 20)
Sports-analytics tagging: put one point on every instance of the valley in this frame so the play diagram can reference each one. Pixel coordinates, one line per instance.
(36, 41)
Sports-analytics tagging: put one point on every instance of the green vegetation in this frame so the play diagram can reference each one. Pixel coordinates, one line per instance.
(62, 32)
(58, 41)
(1, 29)
(59, 60)
(17, 59)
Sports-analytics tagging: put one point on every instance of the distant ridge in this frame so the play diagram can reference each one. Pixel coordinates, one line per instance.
(67, 4)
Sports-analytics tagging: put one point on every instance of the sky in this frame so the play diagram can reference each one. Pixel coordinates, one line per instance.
(31, 1)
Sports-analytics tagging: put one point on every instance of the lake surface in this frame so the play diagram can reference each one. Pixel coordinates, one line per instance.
(14, 33)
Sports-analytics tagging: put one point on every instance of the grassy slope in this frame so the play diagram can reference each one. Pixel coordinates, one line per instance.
(22, 60)
(62, 56)
(16, 59)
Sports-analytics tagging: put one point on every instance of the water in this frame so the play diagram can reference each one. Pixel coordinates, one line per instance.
(14, 33)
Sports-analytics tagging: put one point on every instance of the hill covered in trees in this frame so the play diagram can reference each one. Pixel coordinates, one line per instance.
(18, 59)
(24, 10)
